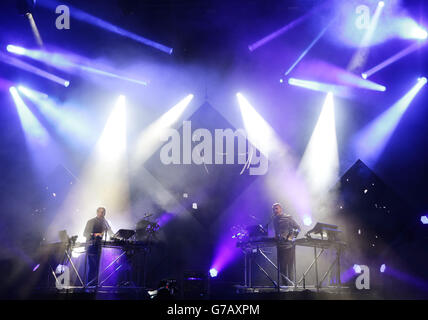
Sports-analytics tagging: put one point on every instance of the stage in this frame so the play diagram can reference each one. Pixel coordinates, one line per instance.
(232, 293)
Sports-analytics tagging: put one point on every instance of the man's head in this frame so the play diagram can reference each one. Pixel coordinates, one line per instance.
(277, 209)
(101, 212)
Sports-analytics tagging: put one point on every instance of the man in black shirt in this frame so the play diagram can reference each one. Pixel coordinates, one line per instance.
(95, 230)
(285, 229)
(98, 226)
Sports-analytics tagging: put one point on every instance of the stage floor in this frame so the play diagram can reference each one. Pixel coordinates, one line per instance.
(232, 293)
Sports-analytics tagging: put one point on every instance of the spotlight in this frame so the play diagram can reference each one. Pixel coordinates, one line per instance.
(307, 221)
(278, 32)
(419, 33)
(105, 25)
(260, 133)
(32, 94)
(303, 54)
(34, 29)
(423, 80)
(15, 49)
(359, 58)
(66, 121)
(213, 272)
(424, 219)
(381, 4)
(371, 140)
(343, 89)
(382, 268)
(113, 138)
(13, 61)
(392, 59)
(31, 125)
(148, 141)
(357, 268)
(70, 63)
(103, 178)
(320, 161)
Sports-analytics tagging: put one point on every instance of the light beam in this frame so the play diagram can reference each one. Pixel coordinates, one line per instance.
(150, 139)
(399, 55)
(320, 161)
(13, 61)
(371, 141)
(70, 63)
(337, 89)
(103, 181)
(359, 58)
(95, 21)
(260, 133)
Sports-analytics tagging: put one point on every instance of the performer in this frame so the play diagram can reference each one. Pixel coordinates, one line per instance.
(285, 229)
(95, 230)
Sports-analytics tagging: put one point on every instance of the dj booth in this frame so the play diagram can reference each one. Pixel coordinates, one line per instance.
(122, 261)
(322, 238)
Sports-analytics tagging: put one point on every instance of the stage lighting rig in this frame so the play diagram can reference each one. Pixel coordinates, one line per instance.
(26, 7)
